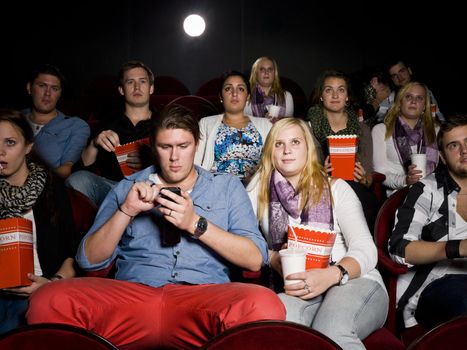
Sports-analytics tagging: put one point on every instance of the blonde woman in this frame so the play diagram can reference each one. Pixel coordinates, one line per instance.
(408, 128)
(347, 300)
(266, 90)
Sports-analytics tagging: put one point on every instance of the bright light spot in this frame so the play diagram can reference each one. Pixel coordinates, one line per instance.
(194, 25)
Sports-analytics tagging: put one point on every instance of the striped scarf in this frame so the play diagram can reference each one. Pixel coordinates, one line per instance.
(17, 200)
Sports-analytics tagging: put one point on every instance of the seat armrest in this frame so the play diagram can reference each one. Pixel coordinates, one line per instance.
(387, 264)
(108, 271)
(377, 186)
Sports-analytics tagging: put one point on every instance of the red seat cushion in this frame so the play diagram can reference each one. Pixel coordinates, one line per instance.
(48, 336)
(382, 339)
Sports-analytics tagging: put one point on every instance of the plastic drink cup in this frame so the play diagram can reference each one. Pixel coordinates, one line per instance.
(273, 110)
(293, 260)
(419, 160)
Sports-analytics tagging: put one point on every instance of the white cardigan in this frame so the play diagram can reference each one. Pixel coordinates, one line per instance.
(208, 126)
(353, 236)
(386, 160)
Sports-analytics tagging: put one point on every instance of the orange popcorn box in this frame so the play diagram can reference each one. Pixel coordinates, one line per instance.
(342, 154)
(16, 257)
(122, 152)
(317, 243)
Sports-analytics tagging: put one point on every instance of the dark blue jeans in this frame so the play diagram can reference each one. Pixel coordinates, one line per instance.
(12, 311)
(442, 300)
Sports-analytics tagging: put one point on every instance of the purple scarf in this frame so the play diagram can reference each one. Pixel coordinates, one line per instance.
(259, 102)
(406, 137)
(284, 201)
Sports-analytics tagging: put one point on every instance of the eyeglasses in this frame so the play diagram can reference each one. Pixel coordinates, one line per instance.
(414, 98)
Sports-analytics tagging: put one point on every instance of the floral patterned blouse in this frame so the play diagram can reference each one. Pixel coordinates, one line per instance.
(237, 151)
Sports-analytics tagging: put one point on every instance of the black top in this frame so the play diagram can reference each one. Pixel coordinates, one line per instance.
(106, 164)
(57, 238)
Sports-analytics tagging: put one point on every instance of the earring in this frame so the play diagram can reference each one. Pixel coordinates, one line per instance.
(222, 101)
(321, 99)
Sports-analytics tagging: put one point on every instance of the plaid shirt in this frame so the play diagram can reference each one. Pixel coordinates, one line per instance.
(428, 214)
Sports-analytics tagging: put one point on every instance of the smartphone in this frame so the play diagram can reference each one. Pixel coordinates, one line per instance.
(175, 190)
(170, 234)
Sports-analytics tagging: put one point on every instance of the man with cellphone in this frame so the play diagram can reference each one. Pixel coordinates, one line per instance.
(168, 295)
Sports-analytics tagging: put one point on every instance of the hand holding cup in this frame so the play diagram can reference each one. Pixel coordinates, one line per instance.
(293, 261)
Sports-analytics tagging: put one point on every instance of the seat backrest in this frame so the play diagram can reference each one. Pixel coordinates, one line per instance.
(211, 87)
(53, 336)
(200, 106)
(378, 188)
(210, 90)
(389, 269)
(386, 217)
(168, 85)
(299, 97)
(84, 213)
(271, 335)
(84, 210)
(99, 100)
(448, 335)
(166, 89)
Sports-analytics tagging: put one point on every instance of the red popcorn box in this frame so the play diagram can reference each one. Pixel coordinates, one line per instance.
(316, 242)
(122, 152)
(342, 154)
(16, 254)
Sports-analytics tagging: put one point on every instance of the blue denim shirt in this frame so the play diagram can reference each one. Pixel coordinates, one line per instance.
(220, 198)
(61, 140)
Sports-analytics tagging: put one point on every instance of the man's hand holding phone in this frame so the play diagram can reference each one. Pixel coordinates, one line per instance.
(170, 234)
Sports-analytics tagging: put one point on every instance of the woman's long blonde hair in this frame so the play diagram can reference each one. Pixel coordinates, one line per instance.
(395, 112)
(312, 173)
(276, 85)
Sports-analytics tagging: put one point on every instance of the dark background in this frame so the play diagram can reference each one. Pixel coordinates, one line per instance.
(91, 39)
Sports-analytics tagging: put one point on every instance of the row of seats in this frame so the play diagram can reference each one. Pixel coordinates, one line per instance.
(100, 97)
(276, 334)
(271, 335)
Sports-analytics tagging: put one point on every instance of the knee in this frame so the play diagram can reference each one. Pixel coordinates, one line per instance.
(263, 303)
(49, 299)
(79, 180)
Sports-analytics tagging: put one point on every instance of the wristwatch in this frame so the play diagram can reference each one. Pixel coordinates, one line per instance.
(200, 227)
(344, 275)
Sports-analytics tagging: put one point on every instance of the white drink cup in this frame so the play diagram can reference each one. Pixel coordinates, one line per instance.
(273, 110)
(419, 160)
(293, 260)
